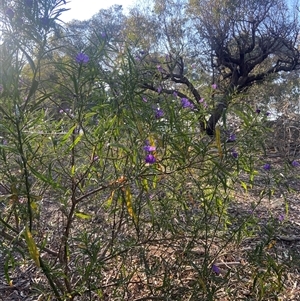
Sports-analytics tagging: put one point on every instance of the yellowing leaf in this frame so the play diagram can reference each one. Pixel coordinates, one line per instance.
(73, 170)
(82, 215)
(128, 198)
(110, 199)
(154, 183)
(271, 244)
(244, 185)
(145, 184)
(33, 250)
(34, 207)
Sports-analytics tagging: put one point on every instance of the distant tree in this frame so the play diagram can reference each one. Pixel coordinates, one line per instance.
(250, 40)
(238, 43)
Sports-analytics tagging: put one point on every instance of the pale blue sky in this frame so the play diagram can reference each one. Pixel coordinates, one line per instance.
(85, 9)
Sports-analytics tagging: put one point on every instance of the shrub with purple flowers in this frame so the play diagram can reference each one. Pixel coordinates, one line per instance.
(111, 187)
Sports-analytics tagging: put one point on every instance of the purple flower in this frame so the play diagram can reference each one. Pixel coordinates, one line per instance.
(216, 269)
(267, 167)
(159, 113)
(148, 147)
(144, 99)
(267, 113)
(186, 103)
(61, 111)
(150, 159)
(159, 89)
(295, 163)
(234, 154)
(95, 158)
(10, 13)
(231, 138)
(159, 68)
(281, 217)
(175, 94)
(82, 58)
(214, 86)
(103, 34)
(204, 104)
(257, 111)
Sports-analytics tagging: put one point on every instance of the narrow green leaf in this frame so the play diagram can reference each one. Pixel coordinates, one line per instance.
(76, 141)
(218, 141)
(68, 134)
(43, 178)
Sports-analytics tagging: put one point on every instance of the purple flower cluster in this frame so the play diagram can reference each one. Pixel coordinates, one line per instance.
(267, 167)
(216, 269)
(159, 113)
(231, 137)
(234, 154)
(82, 58)
(201, 100)
(281, 217)
(185, 103)
(150, 158)
(159, 68)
